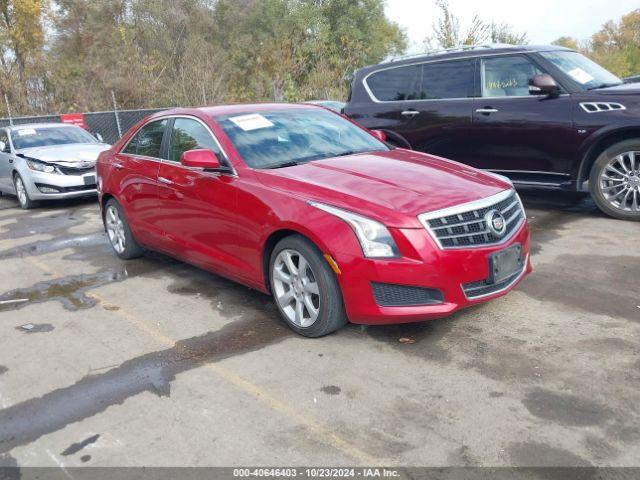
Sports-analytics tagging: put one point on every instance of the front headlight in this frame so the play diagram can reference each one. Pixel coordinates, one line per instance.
(374, 237)
(41, 166)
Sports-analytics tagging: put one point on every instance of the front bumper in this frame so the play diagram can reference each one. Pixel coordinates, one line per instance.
(42, 186)
(444, 270)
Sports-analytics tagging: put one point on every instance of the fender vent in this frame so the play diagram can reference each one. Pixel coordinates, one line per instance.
(595, 107)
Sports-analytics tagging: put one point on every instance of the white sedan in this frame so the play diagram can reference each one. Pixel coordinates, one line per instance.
(48, 161)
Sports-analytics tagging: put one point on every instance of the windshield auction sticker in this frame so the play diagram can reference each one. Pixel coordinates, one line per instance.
(253, 121)
(579, 75)
(23, 132)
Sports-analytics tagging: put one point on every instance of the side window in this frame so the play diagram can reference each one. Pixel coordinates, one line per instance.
(189, 134)
(148, 140)
(507, 76)
(393, 84)
(4, 138)
(447, 80)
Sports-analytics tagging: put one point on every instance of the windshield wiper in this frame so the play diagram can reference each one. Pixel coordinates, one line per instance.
(604, 85)
(354, 152)
(282, 165)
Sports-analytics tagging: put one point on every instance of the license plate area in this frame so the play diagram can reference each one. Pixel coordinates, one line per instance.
(505, 263)
(89, 179)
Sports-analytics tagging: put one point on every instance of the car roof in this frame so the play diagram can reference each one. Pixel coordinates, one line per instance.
(39, 125)
(464, 51)
(236, 108)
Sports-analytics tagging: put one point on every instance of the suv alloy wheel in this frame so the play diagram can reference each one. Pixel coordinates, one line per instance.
(615, 180)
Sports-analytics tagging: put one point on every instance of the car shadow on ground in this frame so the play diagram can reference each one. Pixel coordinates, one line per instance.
(559, 201)
(8, 201)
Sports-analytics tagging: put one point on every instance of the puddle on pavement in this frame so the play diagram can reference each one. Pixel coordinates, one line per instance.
(71, 291)
(153, 372)
(48, 246)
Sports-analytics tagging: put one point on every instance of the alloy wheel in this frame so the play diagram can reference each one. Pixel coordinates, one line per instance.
(115, 229)
(295, 288)
(620, 182)
(21, 191)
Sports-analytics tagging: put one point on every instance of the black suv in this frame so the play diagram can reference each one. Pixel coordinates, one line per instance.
(543, 116)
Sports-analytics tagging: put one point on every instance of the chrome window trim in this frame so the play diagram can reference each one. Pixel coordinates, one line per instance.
(530, 171)
(503, 289)
(365, 83)
(423, 62)
(524, 183)
(232, 173)
(424, 218)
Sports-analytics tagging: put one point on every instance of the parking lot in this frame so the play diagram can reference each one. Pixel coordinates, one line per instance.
(153, 362)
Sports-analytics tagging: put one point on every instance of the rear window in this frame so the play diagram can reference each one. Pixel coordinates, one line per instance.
(148, 141)
(426, 81)
(394, 84)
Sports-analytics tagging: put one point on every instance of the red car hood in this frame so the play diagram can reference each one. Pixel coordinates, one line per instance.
(393, 187)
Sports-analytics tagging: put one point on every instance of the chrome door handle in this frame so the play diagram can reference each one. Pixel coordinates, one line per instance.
(487, 110)
(410, 113)
(165, 180)
(118, 166)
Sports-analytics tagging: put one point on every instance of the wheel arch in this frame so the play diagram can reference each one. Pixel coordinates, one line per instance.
(103, 203)
(600, 145)
(273, 239)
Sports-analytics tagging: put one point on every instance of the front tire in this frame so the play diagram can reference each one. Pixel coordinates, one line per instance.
(305, 289)
(119, 232)
(21, 192)
(615, 180)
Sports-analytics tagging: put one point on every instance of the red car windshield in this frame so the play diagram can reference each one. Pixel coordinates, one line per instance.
(278, 138)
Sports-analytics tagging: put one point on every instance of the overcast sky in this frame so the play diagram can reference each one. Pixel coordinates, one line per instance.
(542, 20)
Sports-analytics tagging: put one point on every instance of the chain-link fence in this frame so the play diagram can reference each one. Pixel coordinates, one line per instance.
(109, 124)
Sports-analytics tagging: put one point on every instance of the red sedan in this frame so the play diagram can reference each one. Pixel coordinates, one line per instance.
(299, 202)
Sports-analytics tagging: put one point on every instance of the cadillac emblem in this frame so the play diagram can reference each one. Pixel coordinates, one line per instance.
(495, 223)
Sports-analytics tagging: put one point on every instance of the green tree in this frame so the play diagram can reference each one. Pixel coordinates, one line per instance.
(294, 50)
(568, 42)
(21, 43)
(617, 45)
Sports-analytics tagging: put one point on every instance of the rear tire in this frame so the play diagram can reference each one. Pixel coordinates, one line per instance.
(21, 192)
(614, 181)
(119, 232)
(305, 289)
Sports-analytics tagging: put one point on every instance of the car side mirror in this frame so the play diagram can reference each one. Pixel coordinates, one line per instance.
(379, 134)
(3, 147)
(98, 137)
(543, 84)
(201, 158)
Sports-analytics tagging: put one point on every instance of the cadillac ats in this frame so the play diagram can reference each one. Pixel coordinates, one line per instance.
(301, 203)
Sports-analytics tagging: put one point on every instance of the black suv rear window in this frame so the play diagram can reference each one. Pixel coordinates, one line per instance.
(452, 79)
(401, 83)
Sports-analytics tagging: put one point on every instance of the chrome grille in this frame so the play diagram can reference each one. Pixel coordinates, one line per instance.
(465, 225)
(75, 170)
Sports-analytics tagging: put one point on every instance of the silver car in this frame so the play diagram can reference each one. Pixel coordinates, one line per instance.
(48, 161)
